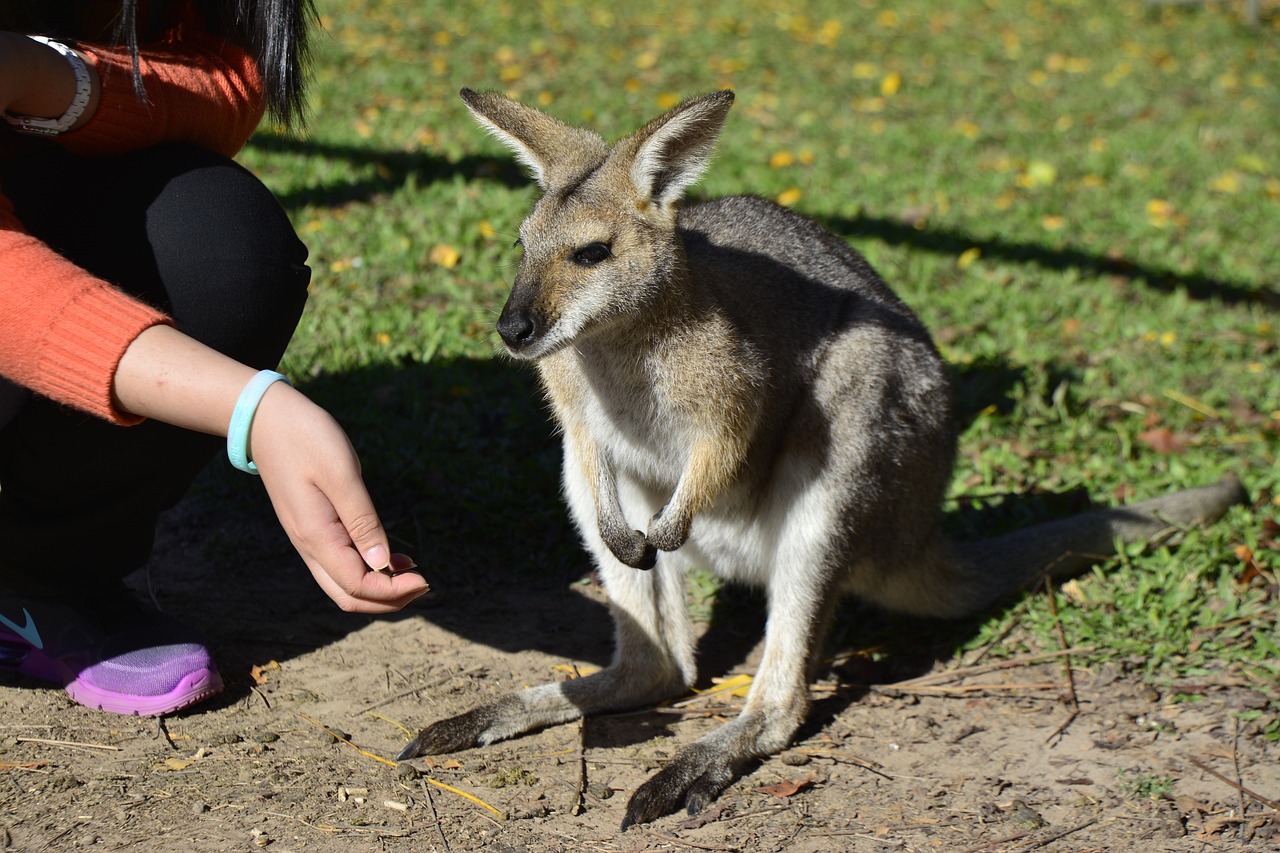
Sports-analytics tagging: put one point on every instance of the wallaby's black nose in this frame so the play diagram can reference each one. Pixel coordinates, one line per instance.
(517, 328)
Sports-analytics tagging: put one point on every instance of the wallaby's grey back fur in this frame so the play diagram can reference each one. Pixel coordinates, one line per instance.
(741, 384)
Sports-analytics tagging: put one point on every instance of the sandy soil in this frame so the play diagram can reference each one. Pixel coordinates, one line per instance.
(935, 764)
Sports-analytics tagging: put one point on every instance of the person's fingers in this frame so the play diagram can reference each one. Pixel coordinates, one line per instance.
(356, 589)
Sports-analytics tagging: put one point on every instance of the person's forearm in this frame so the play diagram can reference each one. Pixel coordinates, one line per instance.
(172, 378)
(36, 80)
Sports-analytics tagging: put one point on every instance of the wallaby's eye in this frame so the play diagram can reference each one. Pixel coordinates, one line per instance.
(592, 254)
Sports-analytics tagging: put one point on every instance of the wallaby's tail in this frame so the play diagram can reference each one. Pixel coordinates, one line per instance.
(989, 569)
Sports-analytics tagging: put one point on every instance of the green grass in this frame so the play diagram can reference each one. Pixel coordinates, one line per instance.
(1081, 198)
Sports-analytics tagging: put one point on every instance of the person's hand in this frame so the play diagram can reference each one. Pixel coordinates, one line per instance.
(305, 459)
(313, 478)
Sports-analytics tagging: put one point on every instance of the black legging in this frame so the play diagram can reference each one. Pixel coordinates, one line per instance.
(193, 234)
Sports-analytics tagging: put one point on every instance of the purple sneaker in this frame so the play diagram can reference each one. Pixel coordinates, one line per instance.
(126, 660)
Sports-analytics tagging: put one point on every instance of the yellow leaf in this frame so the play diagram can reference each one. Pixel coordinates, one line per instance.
(667, 100)
(1053, 223)
(1038, 174)
(576, 670)
(176, 763)
(1227, 182)
(865, 70)
(445, 256)
(737, 685)
(891, 83)
(967, 257)
(788, 197)
(781, 159)
(1252, 163)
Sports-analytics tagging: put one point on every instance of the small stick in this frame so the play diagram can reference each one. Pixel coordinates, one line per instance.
(1269, 803)
(1021, 660)
(162, 729)
(72, 744)
(412, 690)
(465, 796)
(1040, 842)
(444, 842)
(962, 689)
(337, 736)
(1235, 760)
(834, 755)
(580, 805)
(672, 839)
(1073, 701)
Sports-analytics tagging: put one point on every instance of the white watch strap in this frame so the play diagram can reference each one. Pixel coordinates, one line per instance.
(79, 102)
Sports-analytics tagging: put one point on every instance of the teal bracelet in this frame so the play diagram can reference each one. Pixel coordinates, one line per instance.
(242, 418)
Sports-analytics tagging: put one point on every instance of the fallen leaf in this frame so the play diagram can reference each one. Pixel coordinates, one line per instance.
(259, 671)
(704, 817)
(1163, 440)
(787, 787)
(445, 256)
(176, 763)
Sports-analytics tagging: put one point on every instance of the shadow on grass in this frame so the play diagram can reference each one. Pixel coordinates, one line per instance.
(392, 170)
(1198, 286)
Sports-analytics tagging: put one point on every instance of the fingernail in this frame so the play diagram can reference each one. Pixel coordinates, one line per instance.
(377, 557)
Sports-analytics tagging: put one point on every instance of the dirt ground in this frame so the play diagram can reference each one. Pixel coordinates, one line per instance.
(944, 761)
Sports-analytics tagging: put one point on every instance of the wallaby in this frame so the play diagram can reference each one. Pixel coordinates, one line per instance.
(742, 384)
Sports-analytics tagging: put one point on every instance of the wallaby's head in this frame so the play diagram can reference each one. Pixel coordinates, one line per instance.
(600, 245)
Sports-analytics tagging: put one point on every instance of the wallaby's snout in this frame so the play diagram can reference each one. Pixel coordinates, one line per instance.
(518, 326)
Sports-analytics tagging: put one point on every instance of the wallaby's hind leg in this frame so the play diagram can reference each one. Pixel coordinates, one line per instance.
(653, 659)
(799, 602)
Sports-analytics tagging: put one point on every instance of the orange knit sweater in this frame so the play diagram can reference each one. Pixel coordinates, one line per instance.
(63, 331)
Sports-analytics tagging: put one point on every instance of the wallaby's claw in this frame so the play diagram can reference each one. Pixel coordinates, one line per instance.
(695, 778)
(667, 534)
(635, 551)
(648, 558)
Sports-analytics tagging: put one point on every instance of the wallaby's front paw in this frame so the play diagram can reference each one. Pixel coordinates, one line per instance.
(692, 780)
(633, 549)
(668, 531)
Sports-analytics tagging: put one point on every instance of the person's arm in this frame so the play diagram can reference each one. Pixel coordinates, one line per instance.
(36, 80)
(306, 461)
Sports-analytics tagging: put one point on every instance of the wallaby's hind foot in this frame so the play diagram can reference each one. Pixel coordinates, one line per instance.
(692, 780)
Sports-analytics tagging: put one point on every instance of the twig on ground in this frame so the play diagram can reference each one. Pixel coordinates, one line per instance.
(336, 736)
(965, 671)
(1235, 762)
(672, 839)
(67, 743)
(1266, 801)
(431, 803)
(162, 729)
(1072, 699)
(1040, 842)
(472, 797)
(412, 690)
(965, 689)
(580, 803)
(836, 755)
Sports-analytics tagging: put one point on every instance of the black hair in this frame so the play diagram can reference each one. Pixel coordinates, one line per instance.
(274, 32)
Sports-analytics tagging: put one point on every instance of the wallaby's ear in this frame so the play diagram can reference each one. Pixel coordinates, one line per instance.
(554, 151)
(673, 150)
